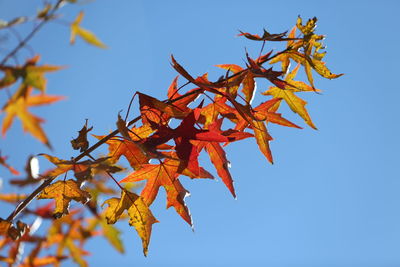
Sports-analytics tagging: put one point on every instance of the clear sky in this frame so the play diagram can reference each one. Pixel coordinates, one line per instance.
(332, 196)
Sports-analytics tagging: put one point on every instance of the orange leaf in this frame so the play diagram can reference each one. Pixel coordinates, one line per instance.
(218, 158)
(166, 175)
(18, 107)
(263, 139)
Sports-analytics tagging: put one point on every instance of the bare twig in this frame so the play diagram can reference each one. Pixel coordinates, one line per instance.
(24, 41)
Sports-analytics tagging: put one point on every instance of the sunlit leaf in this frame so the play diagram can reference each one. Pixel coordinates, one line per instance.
(86, 35)
(63, 192)
(19, 108)
(140, 215)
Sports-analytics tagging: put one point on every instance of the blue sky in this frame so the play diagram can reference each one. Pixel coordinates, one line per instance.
(332, 196)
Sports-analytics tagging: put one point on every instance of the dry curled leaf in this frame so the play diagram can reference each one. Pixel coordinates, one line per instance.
(81, 141)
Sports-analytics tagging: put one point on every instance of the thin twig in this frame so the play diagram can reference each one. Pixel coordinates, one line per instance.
(23, 42)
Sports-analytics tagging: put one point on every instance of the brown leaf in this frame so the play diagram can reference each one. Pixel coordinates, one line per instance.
(81, 141)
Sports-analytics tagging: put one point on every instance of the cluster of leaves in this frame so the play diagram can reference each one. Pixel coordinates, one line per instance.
(209, 116)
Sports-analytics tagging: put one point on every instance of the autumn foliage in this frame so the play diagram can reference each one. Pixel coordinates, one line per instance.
(208, 116)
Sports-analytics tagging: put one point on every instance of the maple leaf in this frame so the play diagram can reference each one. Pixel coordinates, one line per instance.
(134, 151)
(249, 118)
(310, 63)
(310, 44)
(295, 103)
(166, 175)
(218, 156)
(263, 138)
(267, 112)
(140, 215)
(211, 112)
(18, 107)
(63, 192)
(83, 170)
(297, 86)
(86, 35)
(185, 132)
(184, 136)
(31, 74)
(309, 27)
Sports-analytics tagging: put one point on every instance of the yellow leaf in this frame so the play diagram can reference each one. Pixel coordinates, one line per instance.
(309, 27)
(307, 68)
(295, 103)
(86, 35)
(140, 215)
(63, 192)
(317, 65)
(322, 70)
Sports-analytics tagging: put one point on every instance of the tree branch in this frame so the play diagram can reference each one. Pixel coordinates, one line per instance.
(87, 152)
(23, 42)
